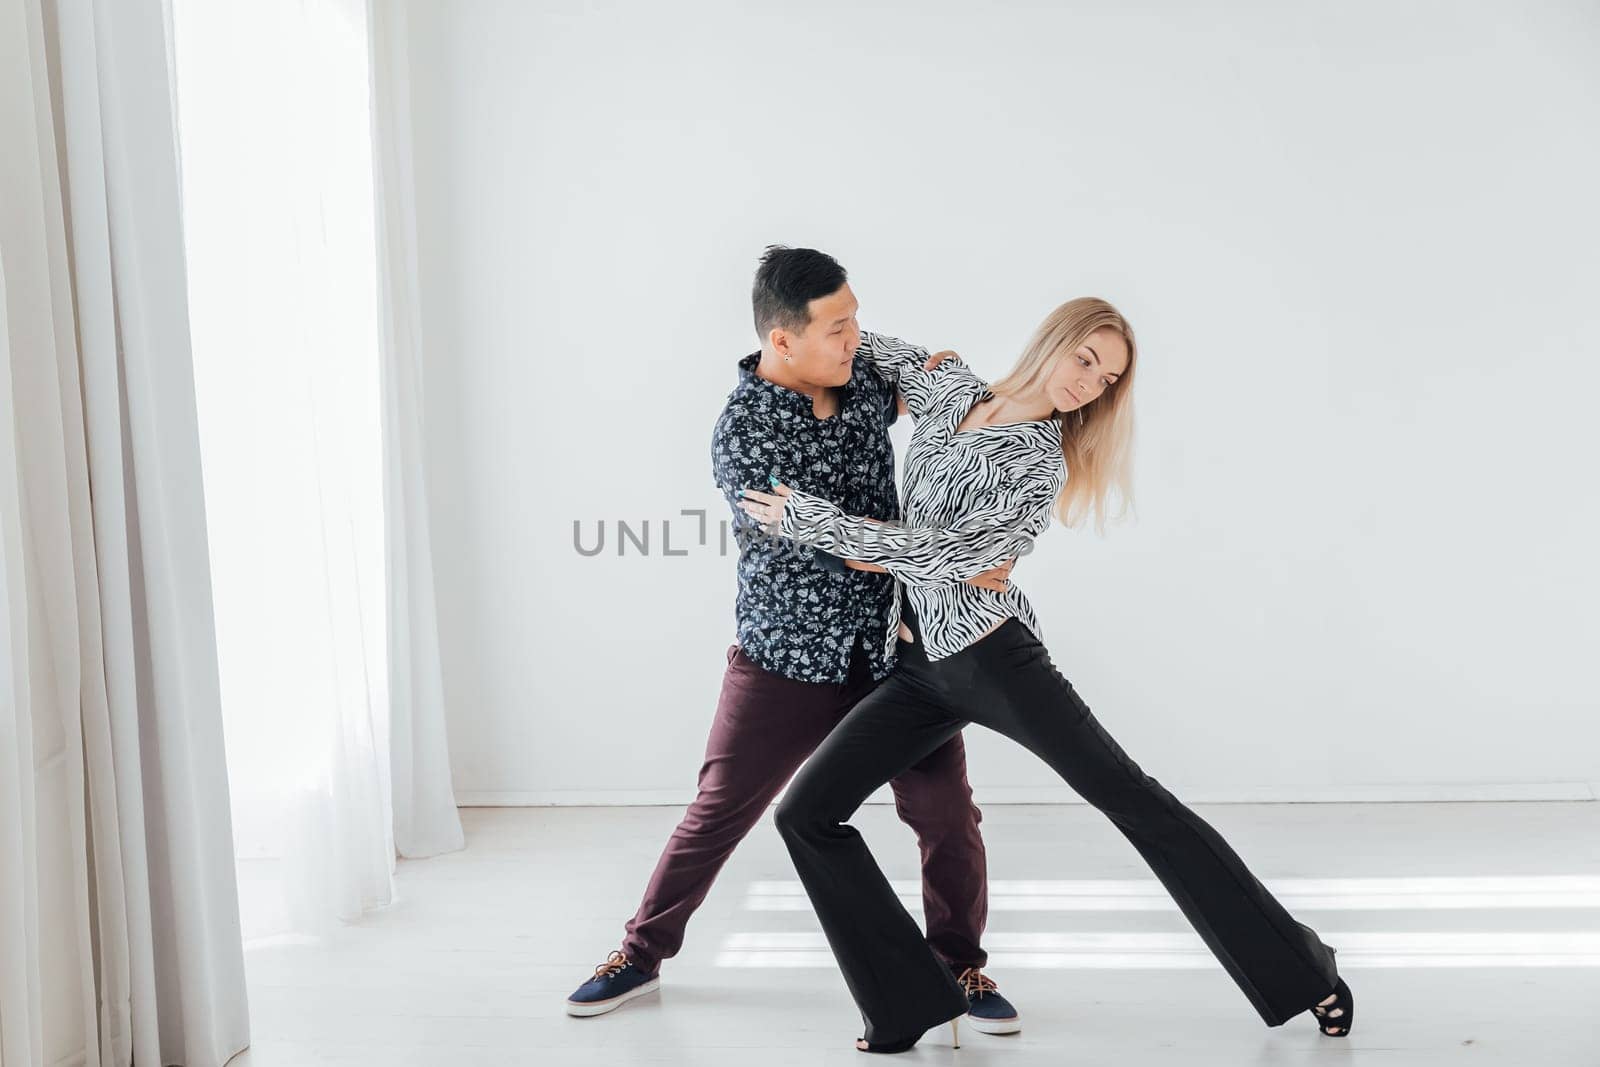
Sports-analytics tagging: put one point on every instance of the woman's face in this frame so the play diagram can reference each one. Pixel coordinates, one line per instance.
(1088, 370)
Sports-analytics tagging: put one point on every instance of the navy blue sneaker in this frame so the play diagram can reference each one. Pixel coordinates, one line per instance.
(988, 1012)
(615, 982)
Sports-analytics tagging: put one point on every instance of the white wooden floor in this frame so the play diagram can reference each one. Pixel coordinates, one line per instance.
(1470, 934)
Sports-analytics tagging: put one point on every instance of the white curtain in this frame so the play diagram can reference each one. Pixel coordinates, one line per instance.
(305, 350)
(272, 102)
(425, 818)
(119, 930)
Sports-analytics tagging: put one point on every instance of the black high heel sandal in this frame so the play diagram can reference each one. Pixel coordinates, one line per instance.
(902, 1046)
(1334, 1018)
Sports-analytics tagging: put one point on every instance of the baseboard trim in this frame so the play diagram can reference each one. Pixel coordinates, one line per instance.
(1460, 793)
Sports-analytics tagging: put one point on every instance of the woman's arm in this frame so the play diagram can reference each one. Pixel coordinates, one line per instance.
(996, 579)
(1001, 525)
(905, 366)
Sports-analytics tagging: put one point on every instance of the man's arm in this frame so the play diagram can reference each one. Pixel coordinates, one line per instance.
(743, 453)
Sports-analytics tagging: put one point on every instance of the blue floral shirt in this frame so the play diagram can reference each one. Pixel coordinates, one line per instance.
(800, 610)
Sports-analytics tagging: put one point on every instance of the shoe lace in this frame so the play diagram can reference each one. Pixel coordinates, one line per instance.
(975, 981)
(612, 966)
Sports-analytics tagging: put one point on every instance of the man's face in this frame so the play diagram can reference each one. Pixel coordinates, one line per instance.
(824, 352)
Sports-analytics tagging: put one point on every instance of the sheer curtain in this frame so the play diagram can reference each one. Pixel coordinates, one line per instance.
(425, 818)
(119, 932)
(305, 370)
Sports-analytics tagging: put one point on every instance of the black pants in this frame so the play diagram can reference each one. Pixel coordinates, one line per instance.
(1006, 682)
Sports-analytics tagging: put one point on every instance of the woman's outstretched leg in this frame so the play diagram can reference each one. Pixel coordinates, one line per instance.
(1282, 966)
(900, 985)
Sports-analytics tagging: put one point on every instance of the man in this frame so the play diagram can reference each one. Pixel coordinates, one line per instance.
(812, 638)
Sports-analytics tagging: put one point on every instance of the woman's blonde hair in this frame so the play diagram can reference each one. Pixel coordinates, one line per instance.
(1096, 439)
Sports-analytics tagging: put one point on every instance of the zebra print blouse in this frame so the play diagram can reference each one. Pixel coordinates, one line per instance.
(971, 501)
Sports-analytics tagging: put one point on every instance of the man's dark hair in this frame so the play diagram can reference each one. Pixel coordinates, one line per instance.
(787, 280)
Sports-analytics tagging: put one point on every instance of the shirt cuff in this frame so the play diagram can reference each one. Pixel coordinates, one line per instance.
(829, 562)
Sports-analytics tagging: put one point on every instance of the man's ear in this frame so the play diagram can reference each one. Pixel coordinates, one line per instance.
(781, 339)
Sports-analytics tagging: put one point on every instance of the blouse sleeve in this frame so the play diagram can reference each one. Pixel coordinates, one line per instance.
(900, 364)
(1004, 524)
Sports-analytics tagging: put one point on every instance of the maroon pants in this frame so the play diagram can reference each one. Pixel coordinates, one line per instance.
(765, 727)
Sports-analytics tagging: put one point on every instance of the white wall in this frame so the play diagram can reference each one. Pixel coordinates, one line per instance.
(1359, 248)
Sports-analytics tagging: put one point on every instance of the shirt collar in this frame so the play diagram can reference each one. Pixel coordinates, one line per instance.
(751, 381)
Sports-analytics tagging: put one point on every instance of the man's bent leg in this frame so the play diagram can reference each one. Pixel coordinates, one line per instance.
(934, 798)
(765, 727)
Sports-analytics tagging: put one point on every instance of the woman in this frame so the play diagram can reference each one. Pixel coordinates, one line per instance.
(985, 470)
